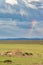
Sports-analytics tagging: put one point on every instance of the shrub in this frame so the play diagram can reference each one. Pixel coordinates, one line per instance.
(26, 53)
(7, 61)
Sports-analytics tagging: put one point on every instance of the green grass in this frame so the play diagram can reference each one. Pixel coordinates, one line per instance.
(35, 47)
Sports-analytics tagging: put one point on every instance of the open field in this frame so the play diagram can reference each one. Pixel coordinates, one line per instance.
(35, 47)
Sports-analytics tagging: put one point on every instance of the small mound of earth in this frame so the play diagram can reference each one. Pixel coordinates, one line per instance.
(7, 61)
(14, 53)
(17, 52)
(8, 53)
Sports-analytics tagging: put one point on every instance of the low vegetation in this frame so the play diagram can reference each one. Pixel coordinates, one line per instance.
(7, 61)
(21, 54)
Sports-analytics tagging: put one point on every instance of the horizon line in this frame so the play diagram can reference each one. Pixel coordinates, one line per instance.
(21, 38)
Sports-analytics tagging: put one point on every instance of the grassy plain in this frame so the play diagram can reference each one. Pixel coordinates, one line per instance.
(31, 46)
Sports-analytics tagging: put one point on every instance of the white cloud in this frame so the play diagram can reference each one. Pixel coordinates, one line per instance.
(23, 12)
(30, 0)
(30, 5)
(12, 2)
(41, 7)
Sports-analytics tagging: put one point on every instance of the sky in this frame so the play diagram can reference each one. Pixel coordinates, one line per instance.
(21, 19)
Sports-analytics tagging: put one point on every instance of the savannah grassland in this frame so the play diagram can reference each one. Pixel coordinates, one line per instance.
(30, 46)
